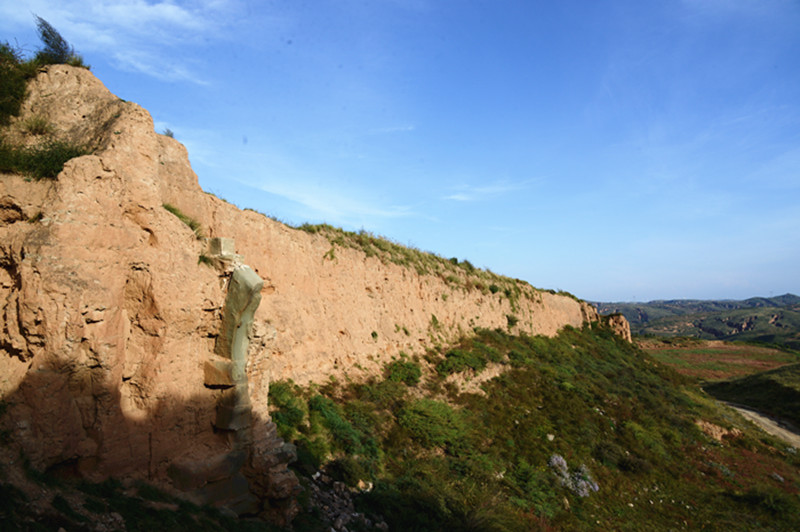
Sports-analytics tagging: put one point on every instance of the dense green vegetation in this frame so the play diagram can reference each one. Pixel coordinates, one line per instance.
(774, 320)
(14, 75)
(582, 431)
(775, 392)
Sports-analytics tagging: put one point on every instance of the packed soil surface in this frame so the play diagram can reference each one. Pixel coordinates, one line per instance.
(712, 360)
(770, 425)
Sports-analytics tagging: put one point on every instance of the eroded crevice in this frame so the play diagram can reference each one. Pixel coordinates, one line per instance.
(140, 302)
(13, 340)
(145, 336)
(10, 212)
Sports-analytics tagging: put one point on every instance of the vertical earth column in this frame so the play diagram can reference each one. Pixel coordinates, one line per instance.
(244, 296)
(220, 479)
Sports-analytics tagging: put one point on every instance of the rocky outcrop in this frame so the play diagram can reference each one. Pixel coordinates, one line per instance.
(130, 346)
(619, 324)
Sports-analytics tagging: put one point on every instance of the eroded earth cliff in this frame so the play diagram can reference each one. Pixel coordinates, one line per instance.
(114, 310)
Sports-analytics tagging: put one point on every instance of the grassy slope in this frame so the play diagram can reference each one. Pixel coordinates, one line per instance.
(441, 460)
(775, 392)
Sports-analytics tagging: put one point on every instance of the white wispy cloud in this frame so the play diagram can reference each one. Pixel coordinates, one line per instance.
(334, 204)
(474, 193)
(137, 35)
(155, 66)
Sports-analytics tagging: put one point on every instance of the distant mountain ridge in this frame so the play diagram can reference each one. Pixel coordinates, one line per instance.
(773, 320)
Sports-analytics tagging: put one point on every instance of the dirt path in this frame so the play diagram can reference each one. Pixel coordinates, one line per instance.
(769, 425)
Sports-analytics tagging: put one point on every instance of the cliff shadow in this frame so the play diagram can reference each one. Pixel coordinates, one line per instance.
(72, 424)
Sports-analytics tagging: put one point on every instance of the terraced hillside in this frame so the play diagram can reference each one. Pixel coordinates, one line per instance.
(773, 320)
(712, 360)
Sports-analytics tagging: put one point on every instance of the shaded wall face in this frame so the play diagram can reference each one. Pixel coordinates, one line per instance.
(103, 327)
(87, 433)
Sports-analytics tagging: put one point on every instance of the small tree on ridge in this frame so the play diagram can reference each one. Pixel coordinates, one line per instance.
(56, 49)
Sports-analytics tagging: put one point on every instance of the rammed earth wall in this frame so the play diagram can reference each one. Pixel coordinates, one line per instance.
(112, 315)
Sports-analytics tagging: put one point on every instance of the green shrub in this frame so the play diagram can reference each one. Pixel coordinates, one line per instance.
(344, 435)
(459, 360)
(288, 410)
(44, 161)
(311, 453)
(13, 81)
(348, 470)
(467, 265)
(486, 351)
(535, 488)
(387, 394)
(512, 320)
(405, 371)
(771, 499)
(433, 423)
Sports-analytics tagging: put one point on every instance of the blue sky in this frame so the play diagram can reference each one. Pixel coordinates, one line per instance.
(620, 150)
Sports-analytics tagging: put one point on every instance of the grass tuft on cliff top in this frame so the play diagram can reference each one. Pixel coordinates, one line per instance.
(457, 273)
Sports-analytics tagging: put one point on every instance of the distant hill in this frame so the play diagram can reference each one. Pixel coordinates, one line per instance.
(774, 320)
